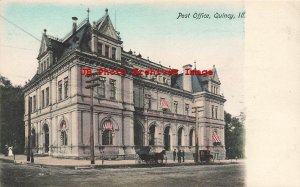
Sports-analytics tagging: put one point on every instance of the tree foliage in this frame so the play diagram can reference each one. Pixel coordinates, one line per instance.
(11, 115)
(234, 137)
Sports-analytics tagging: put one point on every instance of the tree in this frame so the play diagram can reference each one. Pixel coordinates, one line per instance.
(234, 137)
(11, 115)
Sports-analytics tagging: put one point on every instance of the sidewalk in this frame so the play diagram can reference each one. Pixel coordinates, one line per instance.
(72, 163)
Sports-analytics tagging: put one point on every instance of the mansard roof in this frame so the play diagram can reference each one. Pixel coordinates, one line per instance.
(80, 39)
(176, 81)
(199, 82)
(60, 47)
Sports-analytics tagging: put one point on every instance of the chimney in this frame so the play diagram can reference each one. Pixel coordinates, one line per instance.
(186, 79)
(74, 24)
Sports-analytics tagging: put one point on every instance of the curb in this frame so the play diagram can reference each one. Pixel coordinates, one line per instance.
(116, 166)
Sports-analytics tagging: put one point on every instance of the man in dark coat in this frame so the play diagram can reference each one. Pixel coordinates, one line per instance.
(182, 154)
(174, 155)
(179, 156)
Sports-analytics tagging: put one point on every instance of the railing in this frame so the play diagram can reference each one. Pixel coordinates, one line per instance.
(54, 38)
(166, 114)
(78, 27)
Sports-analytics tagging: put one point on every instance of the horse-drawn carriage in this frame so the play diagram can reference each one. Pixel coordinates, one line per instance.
(149, 156)
(204, 156)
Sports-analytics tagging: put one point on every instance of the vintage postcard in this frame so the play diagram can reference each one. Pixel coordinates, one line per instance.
(98, 93)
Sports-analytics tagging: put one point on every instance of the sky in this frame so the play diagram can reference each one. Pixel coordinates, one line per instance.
(150, 29)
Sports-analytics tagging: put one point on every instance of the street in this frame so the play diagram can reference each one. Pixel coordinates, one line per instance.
(203, 175)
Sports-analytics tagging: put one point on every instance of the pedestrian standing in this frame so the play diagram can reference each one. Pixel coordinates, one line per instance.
(10, 153)
(179, 156)
(174, 155)
(182, 154)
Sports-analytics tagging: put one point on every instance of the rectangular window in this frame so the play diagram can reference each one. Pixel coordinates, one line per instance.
(66, 87)
(112, 89)
(60, 90)
(43, 99)
(113, 53)
(106, 50)
(101, 88)
(34, 103)
(216, 112)
(45, 65)
(47, 96)
(148, 101)
(212, 111)
(187, 106)
(99, 48)
(175, 107)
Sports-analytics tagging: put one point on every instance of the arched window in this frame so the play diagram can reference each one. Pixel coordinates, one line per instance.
(63, 133)
(152, 135)
(46, 138)
(191, 137)
(107, 137)
(33, 138)
(167, 138)
(180, 136)
(108, 133)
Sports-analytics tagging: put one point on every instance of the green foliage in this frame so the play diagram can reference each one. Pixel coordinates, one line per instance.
(11, 115)
(234, 137)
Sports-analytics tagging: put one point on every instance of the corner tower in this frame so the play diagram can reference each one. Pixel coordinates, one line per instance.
(211, 118)
(106, 41)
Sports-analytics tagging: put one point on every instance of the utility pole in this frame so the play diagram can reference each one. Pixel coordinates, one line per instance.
(196, 133)
(91, 86)
(29, 130)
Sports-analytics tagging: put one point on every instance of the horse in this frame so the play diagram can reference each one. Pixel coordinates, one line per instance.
(159, 156)
(153, 158)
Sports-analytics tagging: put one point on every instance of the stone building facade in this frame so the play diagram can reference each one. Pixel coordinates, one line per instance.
(129, 111)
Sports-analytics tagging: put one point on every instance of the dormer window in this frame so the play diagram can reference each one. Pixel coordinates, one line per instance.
(99, 48)
(106, 51)
(113, 53)
(44, 66)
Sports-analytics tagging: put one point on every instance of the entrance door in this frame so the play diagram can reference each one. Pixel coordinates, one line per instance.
(138, 134)
(46, 132)
(167, 138)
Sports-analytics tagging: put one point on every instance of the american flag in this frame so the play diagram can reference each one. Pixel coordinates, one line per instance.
(216, 137)
(164, 103)
(107, 125)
